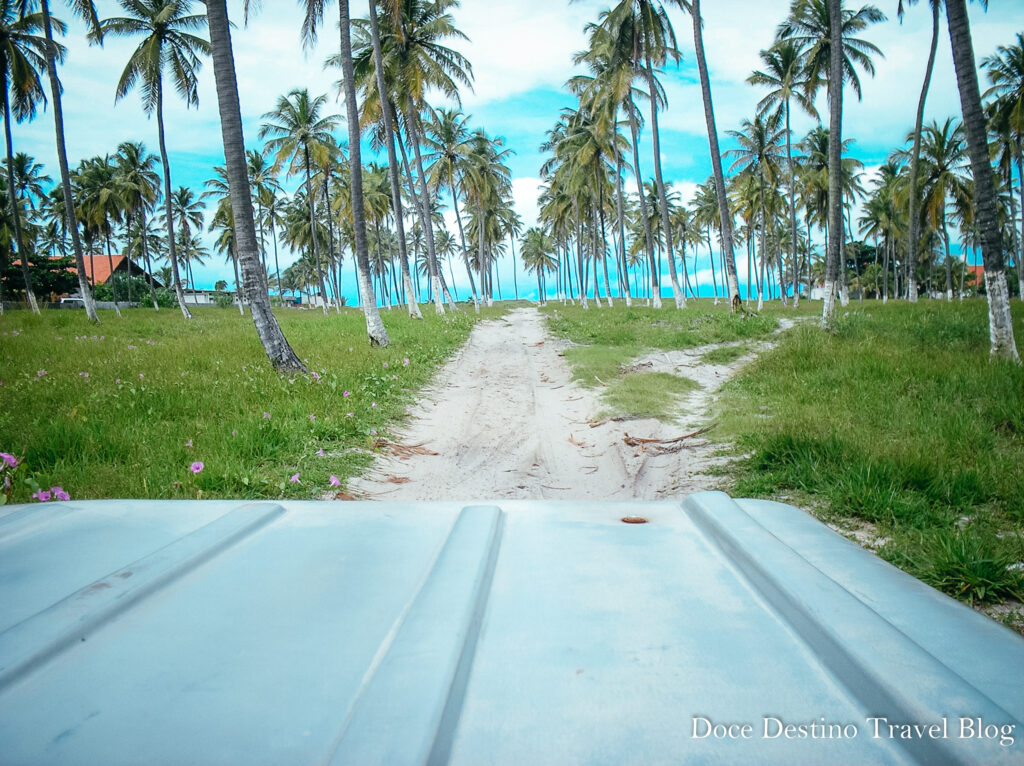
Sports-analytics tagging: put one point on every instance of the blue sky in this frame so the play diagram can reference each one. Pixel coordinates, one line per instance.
(521, 53)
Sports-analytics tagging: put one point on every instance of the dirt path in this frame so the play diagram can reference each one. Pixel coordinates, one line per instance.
(506, 421)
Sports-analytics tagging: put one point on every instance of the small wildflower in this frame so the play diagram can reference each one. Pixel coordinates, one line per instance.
(188, 443)
(40, 373)
(312, 417)
(243, 366)
(117, 381)
(176, 484)
(9, 459)
(334, 481)
(59, 493)
(59, 338)
(234, 432)
(405, 362)
(149, 343)
(131, 346)
(350, 349)
(350, 415)
(321, 452)
(373, 432)
(385, 364)
(316, 376)
(266, 415)
(196, 467)
(141, 376)
(374, 405)
(42, 495)
(83, 375)
(294, 479)
(347, 393)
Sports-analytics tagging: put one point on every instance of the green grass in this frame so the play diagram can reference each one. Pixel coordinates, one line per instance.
(646, 395)
(897, 417)
(610, 338)
(725, 354)
(157, 384)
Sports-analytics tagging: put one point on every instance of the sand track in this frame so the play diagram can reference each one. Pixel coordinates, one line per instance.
(507, 421)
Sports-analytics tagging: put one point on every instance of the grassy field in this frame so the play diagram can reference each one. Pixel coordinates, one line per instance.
(609, 339)
(895, 423)
(126, 408)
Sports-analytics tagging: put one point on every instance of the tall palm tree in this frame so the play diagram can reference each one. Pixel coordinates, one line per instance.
(100, 203)
(913, 233)
(716, 155)
(301, 137)
(168, 42)
(140, 188)
(86, 10)
(187, 210)
(243, 232)
(833, 54)
(1006, 73)
(1000, 321)
(22, 56)
(314, 16)
(944, 161)
(758, 154)
(783, 72)
(446, 139)
(393, 170)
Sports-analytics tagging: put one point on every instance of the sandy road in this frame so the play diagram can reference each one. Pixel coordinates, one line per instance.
(506, 421)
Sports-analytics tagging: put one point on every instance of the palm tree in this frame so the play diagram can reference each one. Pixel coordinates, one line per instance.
(716, 155)
(100, 203)
(187, 210)
(301, 136)
(784, 73)
(314, 15)
(913, 234)
(168, 42)
(1006, 73)
(243, 235)
(826, 31)
(447, 140)
(86, 10)
(1000, 321)
(22, 55)
(140, 187)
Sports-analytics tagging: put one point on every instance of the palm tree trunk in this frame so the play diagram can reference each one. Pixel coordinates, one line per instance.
(648, 238)
(396, 188)
(238, 282)
(62, 161)
(915, 203)
(425, 222)
(1000, 321)
(604, 247)
(374, 325)
(462, 239)
(623, 267)
(277, 264)
(280, 353)
(792, 211)
(666, 228)
(110, 267)
(835, 136)
(15, 211)
(145, 255)
(716, 156)
(1020, 239)
(949, 265)
(313, 238)
(512, 249)
(171, 248)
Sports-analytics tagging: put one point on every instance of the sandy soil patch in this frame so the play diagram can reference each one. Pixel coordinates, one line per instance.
(505, 420)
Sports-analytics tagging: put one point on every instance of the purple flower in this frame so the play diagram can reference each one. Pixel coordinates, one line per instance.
(175, 484)
(59, 493)
(9, 459)
(131, 346)
(188, 443)
(334, 481)
(40, 373)
(266, 415)
(373, 432)
(42, 495)
(405, 362)
(316, 375)
(385, 364)
(196, 467)
(234, 432)
(294, 479)
(347, 393)
(83, 375)
(350, 415)
(321, 452)
(312, 417)
(118, 381)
